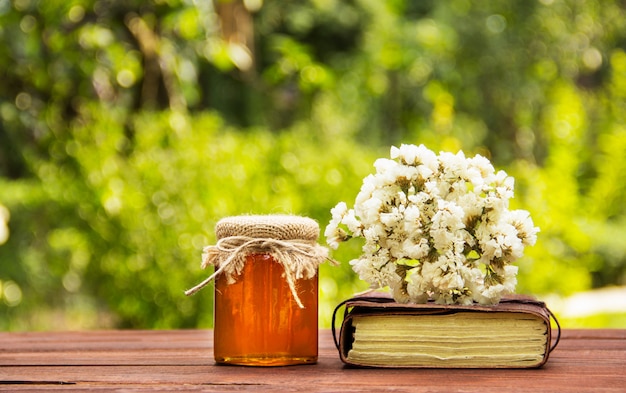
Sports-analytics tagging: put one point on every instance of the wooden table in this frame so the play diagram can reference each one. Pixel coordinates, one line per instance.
(182, 360)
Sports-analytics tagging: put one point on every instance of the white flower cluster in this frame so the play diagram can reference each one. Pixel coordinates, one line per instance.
(435, 226)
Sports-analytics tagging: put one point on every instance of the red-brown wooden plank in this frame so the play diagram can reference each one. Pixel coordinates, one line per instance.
(586, 360)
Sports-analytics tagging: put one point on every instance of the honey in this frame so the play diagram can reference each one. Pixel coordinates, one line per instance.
(258, 322)
(266, 290)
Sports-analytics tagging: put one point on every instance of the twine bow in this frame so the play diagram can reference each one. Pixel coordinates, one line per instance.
(300, 259)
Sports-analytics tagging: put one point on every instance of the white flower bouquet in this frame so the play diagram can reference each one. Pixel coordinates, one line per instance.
(435, 227)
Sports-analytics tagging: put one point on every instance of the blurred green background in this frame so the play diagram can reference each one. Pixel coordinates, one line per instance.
(129, 128)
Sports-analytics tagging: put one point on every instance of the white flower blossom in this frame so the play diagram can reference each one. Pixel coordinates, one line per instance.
(435, 227)
(522, 222)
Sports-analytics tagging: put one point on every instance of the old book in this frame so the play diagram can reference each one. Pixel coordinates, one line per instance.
(378, 332)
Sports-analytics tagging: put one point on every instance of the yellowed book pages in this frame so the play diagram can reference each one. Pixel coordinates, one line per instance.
(462, 339)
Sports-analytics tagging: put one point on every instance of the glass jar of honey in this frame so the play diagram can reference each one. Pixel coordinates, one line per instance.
(266, 290)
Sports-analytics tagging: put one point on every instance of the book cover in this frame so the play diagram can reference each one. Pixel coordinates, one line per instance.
(376, 331)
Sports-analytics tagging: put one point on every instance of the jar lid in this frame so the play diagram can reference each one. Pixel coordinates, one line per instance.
(279, 227)
(291, 240)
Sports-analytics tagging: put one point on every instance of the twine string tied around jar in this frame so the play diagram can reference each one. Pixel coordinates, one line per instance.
(299, 258)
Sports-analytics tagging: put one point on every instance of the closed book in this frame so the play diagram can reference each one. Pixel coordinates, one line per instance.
(376, 331)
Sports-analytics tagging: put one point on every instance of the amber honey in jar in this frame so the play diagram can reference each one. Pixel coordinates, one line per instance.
(257, 320)
(266, 290)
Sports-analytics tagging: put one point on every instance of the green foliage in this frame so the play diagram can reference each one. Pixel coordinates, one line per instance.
(128, 128)
(128, 236)
(600, 320)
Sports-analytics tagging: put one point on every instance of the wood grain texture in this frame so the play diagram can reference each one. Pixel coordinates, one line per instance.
(182, 360)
